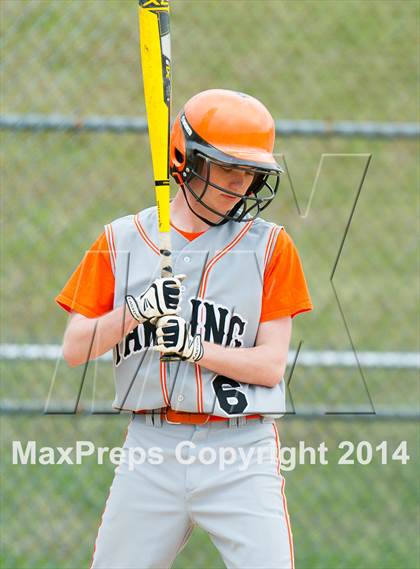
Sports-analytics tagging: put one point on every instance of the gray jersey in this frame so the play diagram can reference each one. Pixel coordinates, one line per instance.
(221, 298)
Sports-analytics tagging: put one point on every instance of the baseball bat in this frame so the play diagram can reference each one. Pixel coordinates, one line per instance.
(155, 55)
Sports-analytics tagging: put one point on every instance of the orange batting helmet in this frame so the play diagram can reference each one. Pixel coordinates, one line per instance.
(231, 129)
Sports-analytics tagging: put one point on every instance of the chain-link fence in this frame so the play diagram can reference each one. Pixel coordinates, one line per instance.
(348, 202)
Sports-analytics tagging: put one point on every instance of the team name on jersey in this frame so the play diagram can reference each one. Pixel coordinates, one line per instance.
(215, 322)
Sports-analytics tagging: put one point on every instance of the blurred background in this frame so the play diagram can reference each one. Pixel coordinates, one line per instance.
(341, 80)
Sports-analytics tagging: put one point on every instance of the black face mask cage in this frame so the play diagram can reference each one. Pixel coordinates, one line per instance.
(258, 196)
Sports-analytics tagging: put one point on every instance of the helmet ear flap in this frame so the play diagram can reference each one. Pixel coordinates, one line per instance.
(177, 153)
(177, 165)
(179, 158)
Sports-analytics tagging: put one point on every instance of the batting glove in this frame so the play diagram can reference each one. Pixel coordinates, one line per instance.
(173, 337)
(161, 298)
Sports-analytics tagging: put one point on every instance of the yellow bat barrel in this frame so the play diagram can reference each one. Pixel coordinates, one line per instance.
(156, 66)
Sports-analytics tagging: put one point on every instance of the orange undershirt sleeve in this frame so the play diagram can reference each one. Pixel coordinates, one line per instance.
(285, 290)
(90, 289)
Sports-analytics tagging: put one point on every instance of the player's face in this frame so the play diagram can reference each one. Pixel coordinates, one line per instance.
(234, 180)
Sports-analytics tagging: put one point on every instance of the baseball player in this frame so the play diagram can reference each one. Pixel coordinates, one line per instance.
(202, 428)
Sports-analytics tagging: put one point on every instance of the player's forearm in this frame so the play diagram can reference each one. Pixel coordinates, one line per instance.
(87, 338)
(251, 365)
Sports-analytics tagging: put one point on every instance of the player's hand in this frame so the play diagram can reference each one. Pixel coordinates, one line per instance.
(160, 299)
(173, 337)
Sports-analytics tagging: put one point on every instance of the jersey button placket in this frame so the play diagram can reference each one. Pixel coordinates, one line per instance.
(188, 262)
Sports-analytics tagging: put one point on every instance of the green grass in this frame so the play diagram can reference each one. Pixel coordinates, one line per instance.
(84, 181)
(55, 510)
(323, 59)
(329, 389)
(328, 60)
(342, 516)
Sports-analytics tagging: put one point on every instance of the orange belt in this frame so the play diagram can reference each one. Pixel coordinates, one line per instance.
(182, 417)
